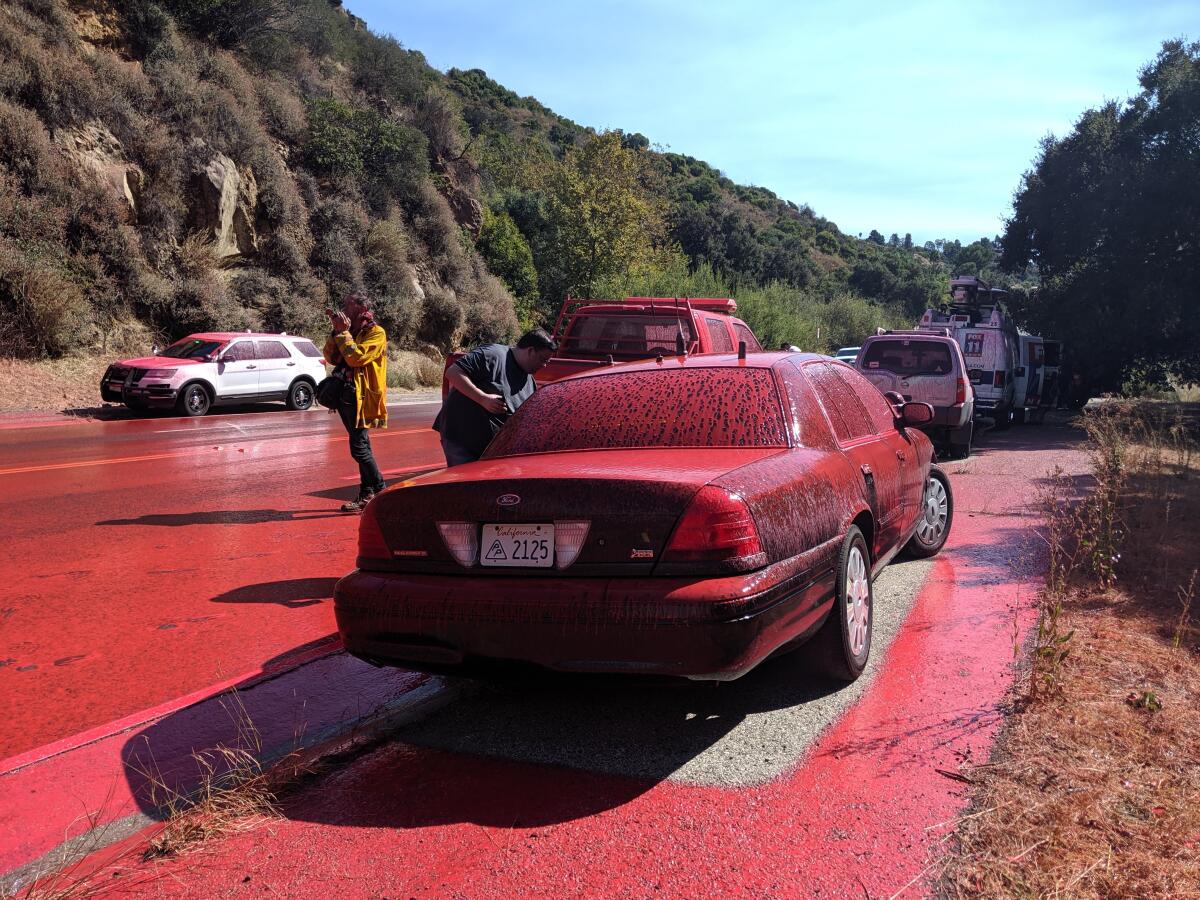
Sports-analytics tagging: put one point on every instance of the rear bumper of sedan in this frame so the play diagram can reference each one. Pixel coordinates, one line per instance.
(713, 629)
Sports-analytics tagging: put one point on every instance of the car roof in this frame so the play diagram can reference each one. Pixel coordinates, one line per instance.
(230, 335)
(763, 360)
(910, 336)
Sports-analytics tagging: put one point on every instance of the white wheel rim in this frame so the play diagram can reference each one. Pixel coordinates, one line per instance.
(858, 601)
(935, 512)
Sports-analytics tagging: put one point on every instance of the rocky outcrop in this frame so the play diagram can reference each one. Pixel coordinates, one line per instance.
(96, 153)
(468, 212)
(97, 24)
(224, 207)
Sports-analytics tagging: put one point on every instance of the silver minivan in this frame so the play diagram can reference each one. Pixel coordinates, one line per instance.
(925, 366)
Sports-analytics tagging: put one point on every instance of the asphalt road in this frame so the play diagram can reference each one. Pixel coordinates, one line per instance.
(146, 559)
(773, 785)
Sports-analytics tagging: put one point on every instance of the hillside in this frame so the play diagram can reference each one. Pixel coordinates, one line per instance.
(186, 164)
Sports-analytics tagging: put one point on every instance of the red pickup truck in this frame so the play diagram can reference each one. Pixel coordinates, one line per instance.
(593, 333)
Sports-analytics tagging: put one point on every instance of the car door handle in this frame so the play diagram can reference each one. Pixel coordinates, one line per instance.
(901, 455)
(292, 363)
(251, 367)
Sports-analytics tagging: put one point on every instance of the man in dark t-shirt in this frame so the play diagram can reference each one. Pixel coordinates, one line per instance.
(486, 387)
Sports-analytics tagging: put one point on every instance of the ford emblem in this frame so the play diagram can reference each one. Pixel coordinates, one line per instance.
(508, 500)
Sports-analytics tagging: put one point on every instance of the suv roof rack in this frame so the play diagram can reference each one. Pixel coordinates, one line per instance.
(924, 332)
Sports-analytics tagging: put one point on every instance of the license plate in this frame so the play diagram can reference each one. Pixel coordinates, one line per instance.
(521, 546)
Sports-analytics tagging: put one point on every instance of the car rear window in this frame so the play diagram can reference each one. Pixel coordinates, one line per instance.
(272, 350)
(308, 348)
(631, 336)
(745, 334)
(718, 334)
(709, 407)
(908, 357)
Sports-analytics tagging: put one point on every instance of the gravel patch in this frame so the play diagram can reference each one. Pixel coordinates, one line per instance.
(737, 733)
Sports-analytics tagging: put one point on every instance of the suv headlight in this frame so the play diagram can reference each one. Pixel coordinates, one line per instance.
(159, 373)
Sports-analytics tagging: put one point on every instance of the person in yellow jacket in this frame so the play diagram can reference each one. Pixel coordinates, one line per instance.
(357, 349)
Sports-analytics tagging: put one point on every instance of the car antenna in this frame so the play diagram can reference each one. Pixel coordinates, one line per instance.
(680, 344)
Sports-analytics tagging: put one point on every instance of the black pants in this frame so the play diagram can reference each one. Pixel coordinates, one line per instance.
(369, 476)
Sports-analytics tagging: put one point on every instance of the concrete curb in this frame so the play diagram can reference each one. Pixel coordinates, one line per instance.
(66, 805)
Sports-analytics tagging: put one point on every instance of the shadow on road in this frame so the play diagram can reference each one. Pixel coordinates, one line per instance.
(116, 413)
(227, 517)
(294, 594)
(350, 491)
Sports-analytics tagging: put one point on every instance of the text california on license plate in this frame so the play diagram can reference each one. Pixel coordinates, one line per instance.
(523, 546)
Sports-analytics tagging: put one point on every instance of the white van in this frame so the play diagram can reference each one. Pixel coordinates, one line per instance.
(977, 320)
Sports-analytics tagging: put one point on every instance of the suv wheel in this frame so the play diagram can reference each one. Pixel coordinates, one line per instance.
(300, 396)
(194, 400)
(960, 440)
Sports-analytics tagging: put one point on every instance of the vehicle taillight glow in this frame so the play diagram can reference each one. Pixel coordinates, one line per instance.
(717, 525)
(998, 378)
(371, 544)
(960, 394)
(462, 540)
(568, 541)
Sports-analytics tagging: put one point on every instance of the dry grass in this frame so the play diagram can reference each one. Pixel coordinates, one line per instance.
(1095, 790)
(410, 370)
(72, 382)
(232, 792)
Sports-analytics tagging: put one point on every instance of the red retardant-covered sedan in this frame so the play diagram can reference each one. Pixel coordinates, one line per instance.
(686, 517)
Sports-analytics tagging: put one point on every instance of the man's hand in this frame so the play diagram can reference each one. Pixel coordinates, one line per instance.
(493, 403)
(338, 320)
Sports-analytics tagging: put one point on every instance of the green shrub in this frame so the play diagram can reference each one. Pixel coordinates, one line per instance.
(442, 318)
(43, 311)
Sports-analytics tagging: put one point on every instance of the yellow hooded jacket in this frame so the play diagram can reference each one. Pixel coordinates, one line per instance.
(366, 355)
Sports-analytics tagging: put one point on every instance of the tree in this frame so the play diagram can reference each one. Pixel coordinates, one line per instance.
(908, 241)
(876, 238)
(601, 220)
(1108, 215)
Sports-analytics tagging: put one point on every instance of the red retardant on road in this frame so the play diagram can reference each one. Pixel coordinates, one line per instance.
(862, 813)
(151, 558)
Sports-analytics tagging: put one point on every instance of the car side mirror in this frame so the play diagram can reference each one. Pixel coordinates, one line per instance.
(916, 413)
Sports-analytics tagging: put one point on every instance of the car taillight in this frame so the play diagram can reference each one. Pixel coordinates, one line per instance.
(568, 541)
(998, 378)
(462, 540)
(371, 544)
(716, 526)
(960, 393)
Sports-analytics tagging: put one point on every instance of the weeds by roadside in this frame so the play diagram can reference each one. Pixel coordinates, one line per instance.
(230, 790)
(1095, 789)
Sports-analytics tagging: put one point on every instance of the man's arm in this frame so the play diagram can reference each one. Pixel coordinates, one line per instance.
(493, 403)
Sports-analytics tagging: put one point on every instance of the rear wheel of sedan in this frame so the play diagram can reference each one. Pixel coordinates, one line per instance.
(840, 649)
(194, 400)
(936, 516)
(300, 396)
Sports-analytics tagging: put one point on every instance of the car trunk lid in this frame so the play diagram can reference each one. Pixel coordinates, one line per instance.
(631, 500)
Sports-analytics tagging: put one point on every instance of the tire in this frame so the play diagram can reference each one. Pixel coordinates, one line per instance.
(841, 648)
(958, 448)
(937, 516)
(194, 400)
(1003, 418)
(300, 394)
(1018, 416)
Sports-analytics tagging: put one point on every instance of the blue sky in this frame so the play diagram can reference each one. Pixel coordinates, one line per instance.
(907, 117)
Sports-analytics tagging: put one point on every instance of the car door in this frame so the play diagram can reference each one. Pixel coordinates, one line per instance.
(878, 461)
(911, 486)
(276, 367)
(237, 370)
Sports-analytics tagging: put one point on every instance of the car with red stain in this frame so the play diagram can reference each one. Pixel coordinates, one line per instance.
(689, 516)
(218, 368)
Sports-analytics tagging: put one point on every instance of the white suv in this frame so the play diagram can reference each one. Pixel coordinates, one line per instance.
(218, 368)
